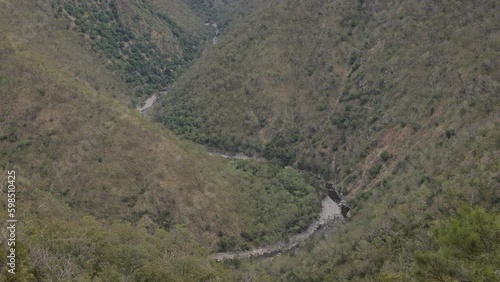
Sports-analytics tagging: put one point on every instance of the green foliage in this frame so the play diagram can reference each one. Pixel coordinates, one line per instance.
(280, 202)
(225, 12)
(226, 244)
(321, 85)
(375, 169)
(429, 104)
(139, 52)
(466, 247)
(286, 108)
(102, 185)
(385, 156)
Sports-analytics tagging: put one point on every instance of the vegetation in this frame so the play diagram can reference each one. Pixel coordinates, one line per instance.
(105, 194)
(465, 248)
(395, 102)
(147, 46)
(271, 191)
(313, 85)
(224, 13)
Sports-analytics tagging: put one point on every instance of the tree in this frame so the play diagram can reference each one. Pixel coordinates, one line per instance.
(465, 248)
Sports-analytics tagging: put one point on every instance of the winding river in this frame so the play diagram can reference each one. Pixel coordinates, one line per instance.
(330, 215)
(333, 212)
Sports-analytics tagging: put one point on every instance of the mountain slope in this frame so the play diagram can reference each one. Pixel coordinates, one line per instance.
(225, 13)
(102, 192)
(150, 42)
(321, 89)
(397, 102)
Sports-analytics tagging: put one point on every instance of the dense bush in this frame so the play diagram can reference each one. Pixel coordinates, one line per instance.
(144, 60)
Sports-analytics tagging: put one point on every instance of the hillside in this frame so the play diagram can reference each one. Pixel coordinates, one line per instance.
(149, 43)
(396, 102)
(225, 13)
(102, 192)
(334, 116)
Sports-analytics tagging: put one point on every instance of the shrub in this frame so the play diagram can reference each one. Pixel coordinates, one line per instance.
(385, 156)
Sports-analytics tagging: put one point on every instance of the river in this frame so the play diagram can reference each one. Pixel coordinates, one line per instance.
(144, 109)
(333, 212)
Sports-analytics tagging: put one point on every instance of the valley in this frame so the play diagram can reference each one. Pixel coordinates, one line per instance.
(187, 140)
(333, 212)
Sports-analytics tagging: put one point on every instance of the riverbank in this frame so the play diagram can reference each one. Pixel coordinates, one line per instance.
(334, 211)
(330, 214)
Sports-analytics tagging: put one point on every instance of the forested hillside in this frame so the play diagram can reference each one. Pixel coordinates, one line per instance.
(104, 194)
(149, 42)
(297, 82)
(396, 103)
(225, 13)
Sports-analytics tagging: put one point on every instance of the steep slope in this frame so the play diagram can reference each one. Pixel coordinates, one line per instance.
(225, 13)
(320, 85)
(149, 42)
(102, 192)
(255, 86)
(397, 102)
